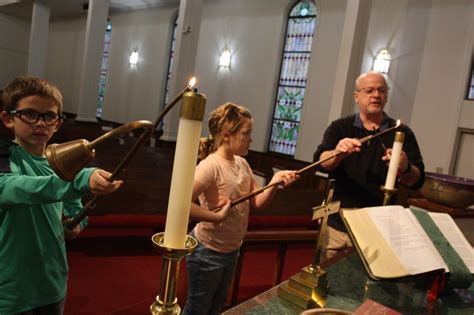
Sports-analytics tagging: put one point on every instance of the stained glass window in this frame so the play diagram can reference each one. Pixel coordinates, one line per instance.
(292, 82)
(470, 90)
(103, 68)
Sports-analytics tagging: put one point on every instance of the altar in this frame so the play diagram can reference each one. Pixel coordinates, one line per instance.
(350, 287)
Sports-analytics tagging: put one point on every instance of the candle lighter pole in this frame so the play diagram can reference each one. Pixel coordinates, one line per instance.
(306, 168)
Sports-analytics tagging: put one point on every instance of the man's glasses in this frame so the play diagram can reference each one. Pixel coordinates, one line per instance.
(30, 116)
(371, 90)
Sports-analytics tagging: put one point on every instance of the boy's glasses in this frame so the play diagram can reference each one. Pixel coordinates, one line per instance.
(30, 116)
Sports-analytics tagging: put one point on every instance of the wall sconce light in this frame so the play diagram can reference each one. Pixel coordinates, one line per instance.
(382, 61)
(224, 59)
(133, 58)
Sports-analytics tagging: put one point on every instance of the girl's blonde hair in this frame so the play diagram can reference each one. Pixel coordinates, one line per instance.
(228, 117)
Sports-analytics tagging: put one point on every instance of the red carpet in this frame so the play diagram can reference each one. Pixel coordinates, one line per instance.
(121, 274)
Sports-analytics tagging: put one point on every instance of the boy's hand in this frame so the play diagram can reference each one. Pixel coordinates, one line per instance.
(71, 234)
(99, 184)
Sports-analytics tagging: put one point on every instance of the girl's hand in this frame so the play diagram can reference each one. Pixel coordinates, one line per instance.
(287, 177)
(225, 210)
(99, 184)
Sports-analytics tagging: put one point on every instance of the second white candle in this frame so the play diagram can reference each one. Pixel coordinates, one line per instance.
(394, 160)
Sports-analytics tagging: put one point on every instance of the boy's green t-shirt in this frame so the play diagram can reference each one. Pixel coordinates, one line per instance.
(33, 264)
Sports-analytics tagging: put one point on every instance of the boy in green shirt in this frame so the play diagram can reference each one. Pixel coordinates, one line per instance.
(33, 200)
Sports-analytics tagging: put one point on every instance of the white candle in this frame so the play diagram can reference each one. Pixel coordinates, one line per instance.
(179, 203)
(394, 160)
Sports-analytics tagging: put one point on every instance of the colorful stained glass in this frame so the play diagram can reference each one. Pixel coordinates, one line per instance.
(470, 94)
(103, 68)
(283, 135)
(289, 103)
(292, 82)
(303, 8)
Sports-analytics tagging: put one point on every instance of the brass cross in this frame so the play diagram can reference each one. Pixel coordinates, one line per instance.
(322, 212)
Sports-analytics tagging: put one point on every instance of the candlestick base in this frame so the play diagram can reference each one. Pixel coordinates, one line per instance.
(387, 194)
(308, 288)
(166, 302)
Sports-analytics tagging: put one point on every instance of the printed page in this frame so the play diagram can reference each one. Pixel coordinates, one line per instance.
(376, 251)
(455, 237)
(407, 238)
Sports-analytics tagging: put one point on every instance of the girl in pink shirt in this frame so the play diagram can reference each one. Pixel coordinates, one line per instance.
(222, 175)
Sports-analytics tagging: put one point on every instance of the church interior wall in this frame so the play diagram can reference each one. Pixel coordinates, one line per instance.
(431, 42)
(13, 47)
(253, 31)
(64, 58)
(134, 93)
(442, 83)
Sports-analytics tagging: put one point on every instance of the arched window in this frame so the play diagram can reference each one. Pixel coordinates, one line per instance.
(103, 68)
(470, 88)
(300, 30)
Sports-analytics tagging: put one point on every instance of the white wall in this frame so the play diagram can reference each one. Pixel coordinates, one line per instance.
(131, 93)
(431, 42)
(136, 93)
(253, 31)
(14, 38)
(64, 57)
(443, 79)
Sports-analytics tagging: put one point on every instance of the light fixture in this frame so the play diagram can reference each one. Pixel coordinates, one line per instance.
(224, 59)
(133, 58)
(382, 61)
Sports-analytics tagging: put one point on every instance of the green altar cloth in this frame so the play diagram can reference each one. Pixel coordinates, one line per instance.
(350, 287)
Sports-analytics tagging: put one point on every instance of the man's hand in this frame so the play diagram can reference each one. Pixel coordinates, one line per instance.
(99, 184)
(348, 146)
(402, 164)
(345, 147)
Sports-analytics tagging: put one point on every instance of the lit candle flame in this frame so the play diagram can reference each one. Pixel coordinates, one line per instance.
(398, 123)
(192, 82)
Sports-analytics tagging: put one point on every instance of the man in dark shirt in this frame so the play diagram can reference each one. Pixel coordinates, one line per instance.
(360, 170)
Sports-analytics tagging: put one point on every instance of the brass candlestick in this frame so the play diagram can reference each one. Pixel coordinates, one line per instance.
(387, 194)
(166, 301)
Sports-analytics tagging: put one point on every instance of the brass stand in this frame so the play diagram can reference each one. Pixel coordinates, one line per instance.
(388, 193)
(309, 288)
(166, 302)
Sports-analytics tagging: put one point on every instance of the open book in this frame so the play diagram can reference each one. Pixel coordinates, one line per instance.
(393, 244)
